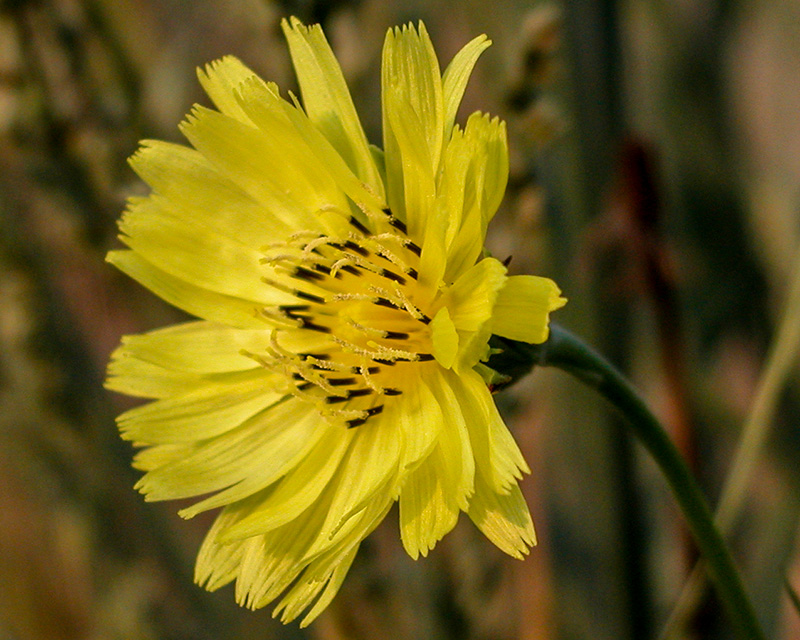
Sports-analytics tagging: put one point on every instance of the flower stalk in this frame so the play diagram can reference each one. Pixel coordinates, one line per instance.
(565, 351)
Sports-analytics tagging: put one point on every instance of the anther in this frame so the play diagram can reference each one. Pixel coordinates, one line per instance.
(305, 323)
(385, 302)
(413, 273)
(424, 357)
(374, 411)
(307, 296)
(383, 361)
(368, 369)
(357, 393)
(391, 392)
(356, 248)
(391, 275)
(354, 221)
(341, 382)
(306, 274)
(293, 308)
(396, 335)
(414, 248)
(397, 224)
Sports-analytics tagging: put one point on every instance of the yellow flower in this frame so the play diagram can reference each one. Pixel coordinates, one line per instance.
(345, 304)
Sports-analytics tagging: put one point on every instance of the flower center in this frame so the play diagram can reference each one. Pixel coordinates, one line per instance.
(347, 343)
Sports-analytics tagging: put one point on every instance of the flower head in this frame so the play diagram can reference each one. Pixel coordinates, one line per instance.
(345, 306)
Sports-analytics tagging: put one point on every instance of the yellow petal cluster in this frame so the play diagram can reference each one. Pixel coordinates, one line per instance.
(343, 302)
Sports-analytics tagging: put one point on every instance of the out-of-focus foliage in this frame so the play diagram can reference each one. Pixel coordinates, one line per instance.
(655, 176)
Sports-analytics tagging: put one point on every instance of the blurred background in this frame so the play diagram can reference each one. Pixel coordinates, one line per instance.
(655, 165)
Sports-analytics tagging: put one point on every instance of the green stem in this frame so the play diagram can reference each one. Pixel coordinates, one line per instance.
(565, 351)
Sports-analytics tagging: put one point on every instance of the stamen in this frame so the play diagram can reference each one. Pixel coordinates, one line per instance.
(370, 331)
(289, 309)
(362, 251)
(361, 369)
(295, 292)
(308, 296)
(354, 221)
(396, 335)
(342, 297)
(366, 374)
(395, 222)
(357, 422)
(356, 393)
(385, 302)
(307, 274)
(391, 275)
(393, 353)
(321, 268)
(414, 248)
(305, 323)
(275, 314)
(314, 356)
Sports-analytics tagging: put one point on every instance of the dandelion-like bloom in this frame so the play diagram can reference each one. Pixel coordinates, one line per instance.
(346, 305)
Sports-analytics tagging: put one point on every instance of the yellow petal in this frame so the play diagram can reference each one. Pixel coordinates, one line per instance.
(142, 379)
(255, 453)
(327, 100)
(497, 456)
(269, 168)
(371, 462)
(189, 297)
(159, 455)
(331, 589)
(523, 307)
(203, 195)
(205, 412)
(196, 347)
(420, 418)
(503, 518)
(427, 508)
(217, 564)
(221, 79)
(196, 254)
(413, 123)
(456, 75)
(472, 297)
(485, 182)
(275, 116)
(445, 338)
(300, 488)
(456, 449)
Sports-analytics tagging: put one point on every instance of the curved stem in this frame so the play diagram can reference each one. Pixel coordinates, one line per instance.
(565, 351)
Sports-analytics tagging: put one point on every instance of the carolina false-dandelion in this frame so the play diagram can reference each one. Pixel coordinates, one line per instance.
(345, 305)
